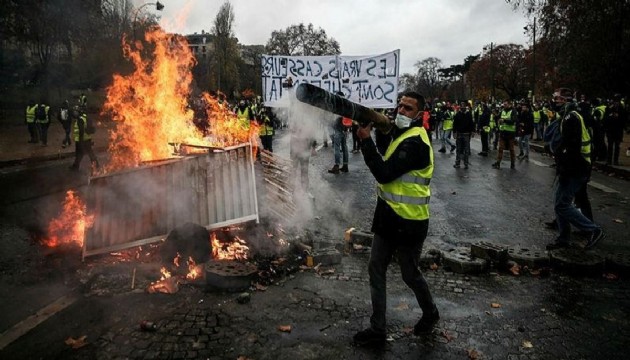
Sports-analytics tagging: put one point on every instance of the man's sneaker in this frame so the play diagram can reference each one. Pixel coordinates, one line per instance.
(442, 150)
(483, 153)
(496, 165)
(344, 168)
(426, 323)
(369, 337)
(334, 170)
(559, 244)
(453, 147)
(596, 236)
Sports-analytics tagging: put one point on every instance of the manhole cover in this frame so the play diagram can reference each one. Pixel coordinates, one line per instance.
(229, 275)
(530, 257)
(578, 261)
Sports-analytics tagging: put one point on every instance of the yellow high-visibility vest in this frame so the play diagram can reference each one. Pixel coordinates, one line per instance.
(409, 195)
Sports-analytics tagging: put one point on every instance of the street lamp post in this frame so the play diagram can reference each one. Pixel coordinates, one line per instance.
(158, 6)
(491, 69)
(533, 57)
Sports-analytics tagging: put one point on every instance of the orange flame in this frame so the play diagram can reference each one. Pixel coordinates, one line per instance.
(151, 105)
(165, 273)
(194, 270)
(236, 250)
(69, 227)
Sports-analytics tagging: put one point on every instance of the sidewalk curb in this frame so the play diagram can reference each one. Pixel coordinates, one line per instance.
(44, 158)
(609, 169)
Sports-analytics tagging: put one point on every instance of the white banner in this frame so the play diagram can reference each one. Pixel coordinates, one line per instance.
(371, 81)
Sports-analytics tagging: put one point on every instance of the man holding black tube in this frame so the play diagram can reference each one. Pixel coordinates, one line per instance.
(401, 217)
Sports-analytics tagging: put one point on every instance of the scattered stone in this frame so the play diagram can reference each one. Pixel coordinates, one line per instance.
(327, 257)
(461, 261)
(533, 259)
(489, 251)
(243, 298)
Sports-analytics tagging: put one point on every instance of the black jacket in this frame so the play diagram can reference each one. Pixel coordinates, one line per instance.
(411, 154)
(569, 159)
(463, 122)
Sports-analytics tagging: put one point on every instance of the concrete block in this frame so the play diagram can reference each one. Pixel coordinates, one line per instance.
(359, 237)
(461, 261)
(489, 251)
(430, 257)
(327, 257)
(531, 258)
(577, 262)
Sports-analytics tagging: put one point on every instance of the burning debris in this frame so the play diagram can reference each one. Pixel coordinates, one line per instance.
(153, 105)
(69, 226)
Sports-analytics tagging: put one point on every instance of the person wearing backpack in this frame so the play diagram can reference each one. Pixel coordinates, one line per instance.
(66, 123)
(573, 170)
(30, 122)
(82, 139)
(42, 121)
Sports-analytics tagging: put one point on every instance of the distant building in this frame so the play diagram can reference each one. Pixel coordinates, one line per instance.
(201, 45)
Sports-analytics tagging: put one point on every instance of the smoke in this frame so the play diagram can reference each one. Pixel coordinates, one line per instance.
(323, 203)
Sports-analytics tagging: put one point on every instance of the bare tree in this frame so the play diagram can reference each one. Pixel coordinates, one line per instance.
(226, 57)
(302, 40)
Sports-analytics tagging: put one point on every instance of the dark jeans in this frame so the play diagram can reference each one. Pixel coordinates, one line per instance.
(42, 129)
(356, 142)
(566, 213)
(383, 250)
(463, 148)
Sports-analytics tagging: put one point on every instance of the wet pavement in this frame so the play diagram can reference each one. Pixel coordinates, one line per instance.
(551, 314)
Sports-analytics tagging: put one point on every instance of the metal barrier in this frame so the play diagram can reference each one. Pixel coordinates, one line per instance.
(141, 205)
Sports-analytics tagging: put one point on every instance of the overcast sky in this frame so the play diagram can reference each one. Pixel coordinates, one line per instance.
(449, 30)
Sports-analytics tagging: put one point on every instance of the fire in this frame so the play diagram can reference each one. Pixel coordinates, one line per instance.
(165, 273)
(69, 227)
(151, 105)
(236, 250)
(194, 270)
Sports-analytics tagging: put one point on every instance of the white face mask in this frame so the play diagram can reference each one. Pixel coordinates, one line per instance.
(402, 121)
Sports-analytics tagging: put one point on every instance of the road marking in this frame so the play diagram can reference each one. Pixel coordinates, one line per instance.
(536, 162)
(603, 188)
(32, 321)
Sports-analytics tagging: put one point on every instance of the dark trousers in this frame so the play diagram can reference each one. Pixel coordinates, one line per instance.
(612, 154)
(381, 255)
(506, 143)
(484, 142)
(33, 132)
(356, 142)
(81, 149)
(267, 142)
(42, 129)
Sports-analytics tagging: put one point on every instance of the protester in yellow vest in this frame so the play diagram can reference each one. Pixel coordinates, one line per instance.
(82, 139)
(573, 168)
(401, 217)
(265, 130)
(447, 127)
(30, 122)
(507, 130)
